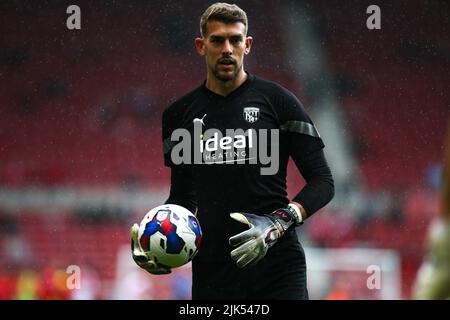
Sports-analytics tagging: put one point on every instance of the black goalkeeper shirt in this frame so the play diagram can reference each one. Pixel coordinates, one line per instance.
(217, 189)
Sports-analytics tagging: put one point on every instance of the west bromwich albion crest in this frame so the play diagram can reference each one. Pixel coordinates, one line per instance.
(251, 114)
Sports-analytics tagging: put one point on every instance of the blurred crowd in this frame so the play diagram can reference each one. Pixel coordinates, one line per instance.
(48, 283)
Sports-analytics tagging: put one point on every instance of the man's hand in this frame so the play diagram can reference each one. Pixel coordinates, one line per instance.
(141, 258)
(264, 232)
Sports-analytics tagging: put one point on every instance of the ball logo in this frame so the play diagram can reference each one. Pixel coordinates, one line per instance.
(162, 214)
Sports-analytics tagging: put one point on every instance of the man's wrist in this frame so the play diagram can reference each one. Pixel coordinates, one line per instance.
(296, 208)
(284, 218)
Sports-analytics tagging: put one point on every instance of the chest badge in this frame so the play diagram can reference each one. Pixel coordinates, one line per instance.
(251, 114)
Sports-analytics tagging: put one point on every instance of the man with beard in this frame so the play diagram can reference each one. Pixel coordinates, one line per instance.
(250, 248)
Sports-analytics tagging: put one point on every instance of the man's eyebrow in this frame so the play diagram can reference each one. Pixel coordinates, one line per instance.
(236, 36)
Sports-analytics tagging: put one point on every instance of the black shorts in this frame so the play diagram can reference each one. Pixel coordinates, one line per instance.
(281, 274)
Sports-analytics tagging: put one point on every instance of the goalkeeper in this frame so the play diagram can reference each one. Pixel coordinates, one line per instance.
(250, 248)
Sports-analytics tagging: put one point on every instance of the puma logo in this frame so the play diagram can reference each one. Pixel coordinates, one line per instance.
(200, 120)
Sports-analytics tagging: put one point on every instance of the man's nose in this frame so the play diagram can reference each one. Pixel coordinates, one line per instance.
(227, 48)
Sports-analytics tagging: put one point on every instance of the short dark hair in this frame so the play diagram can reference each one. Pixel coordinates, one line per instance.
(223, 12)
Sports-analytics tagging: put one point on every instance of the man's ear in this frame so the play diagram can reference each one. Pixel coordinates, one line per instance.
(248, 44)
(200, 45)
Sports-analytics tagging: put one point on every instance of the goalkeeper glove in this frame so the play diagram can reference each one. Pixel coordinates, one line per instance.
(141, 258)
(264, 232)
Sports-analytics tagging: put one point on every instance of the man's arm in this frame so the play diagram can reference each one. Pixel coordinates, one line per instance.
(305, 146)
(182, 190)
(265, 230)
(319, 188)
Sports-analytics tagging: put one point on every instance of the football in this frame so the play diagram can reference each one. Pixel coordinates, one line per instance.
(170, 235)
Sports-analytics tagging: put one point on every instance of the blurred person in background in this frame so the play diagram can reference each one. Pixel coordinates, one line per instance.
(28, 285)
(53, 282)
(250, 248)
(433, 278)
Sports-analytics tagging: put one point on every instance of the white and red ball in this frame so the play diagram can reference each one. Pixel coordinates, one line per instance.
(170, 235)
